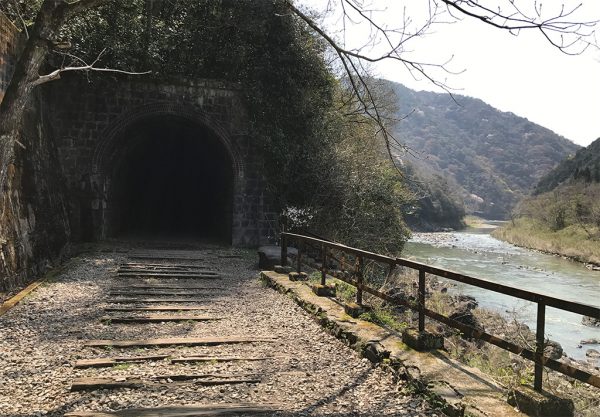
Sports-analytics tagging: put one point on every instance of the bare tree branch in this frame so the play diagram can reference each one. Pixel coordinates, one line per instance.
(56, 74)
(85, 67)
(558, 29)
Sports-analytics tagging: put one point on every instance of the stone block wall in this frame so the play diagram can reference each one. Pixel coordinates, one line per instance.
(87, 116)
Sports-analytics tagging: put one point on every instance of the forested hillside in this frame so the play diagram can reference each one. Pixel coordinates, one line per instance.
(584, 167)
(563, 216)
(495, 158)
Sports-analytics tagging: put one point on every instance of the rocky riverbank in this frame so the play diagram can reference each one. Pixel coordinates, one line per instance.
(507, 368)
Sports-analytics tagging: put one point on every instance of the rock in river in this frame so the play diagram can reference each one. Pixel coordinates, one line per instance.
(590, 321)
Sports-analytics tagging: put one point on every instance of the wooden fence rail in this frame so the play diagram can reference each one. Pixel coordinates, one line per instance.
(327, 248)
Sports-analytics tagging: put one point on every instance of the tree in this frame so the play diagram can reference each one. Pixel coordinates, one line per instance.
(41, 38)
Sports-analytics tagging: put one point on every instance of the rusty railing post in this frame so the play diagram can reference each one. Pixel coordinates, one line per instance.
(323, 264)
(299, 257)
(283, 249)
(359, 279)
(539, 346)
(421, 300)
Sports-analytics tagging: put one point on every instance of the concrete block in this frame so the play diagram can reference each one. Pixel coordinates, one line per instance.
(298, 276)
(422, 341)
(324, 290)
(354, 310)
(540, 404)
(282, 269)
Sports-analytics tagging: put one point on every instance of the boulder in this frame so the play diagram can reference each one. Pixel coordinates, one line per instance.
(465, 301)
(592, 353)
(465, 316)
(553, 350)
(590, 321)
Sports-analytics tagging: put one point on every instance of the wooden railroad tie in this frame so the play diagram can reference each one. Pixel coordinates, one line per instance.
(166, 270)
(181, 275)
(156, 257)
(106, 362)
(85, 384)
(157, 308)
(162, 287)
(113, 361)
(151, 300)
(217, 410)
(198, 358)
(159, 293)
(160, 265)
(178, 341)
(157, 318)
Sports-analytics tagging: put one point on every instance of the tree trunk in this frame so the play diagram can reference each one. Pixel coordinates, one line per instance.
(50, 18)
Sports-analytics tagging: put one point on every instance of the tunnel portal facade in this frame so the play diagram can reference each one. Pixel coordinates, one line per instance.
(160, 160)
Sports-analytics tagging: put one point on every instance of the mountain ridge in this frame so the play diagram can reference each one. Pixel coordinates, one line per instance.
(495, 158)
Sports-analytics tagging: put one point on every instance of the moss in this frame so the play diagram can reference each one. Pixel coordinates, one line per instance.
(384, 318)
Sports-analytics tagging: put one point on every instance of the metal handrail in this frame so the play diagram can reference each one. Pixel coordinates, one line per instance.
(542, 301)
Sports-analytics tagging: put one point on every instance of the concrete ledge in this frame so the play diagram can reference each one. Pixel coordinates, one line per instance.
(540, 404)
(458, 389)
(422, 341)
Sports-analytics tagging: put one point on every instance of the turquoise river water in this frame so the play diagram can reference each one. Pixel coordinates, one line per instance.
(476, 253)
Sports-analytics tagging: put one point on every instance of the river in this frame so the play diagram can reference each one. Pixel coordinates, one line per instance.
(475, 252)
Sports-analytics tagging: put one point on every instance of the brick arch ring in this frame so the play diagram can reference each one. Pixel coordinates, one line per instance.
(108, 145)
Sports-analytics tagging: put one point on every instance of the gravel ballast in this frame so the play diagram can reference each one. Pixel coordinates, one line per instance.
(305, 371)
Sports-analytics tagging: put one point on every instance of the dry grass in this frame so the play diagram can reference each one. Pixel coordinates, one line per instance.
(572, 241)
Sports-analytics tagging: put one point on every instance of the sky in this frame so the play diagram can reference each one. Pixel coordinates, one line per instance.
(522, 74)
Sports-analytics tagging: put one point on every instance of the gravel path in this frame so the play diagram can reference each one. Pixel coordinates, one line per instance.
(308, 373)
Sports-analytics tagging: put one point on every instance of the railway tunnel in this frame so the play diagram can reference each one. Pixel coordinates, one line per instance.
(167, 177)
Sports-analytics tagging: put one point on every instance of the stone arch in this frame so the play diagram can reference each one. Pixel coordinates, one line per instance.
(108, 144)
(116, 140)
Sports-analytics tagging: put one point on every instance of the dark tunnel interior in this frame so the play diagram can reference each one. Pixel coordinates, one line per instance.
(173, 179)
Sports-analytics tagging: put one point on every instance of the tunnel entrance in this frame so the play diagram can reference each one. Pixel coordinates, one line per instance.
(173, 178)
